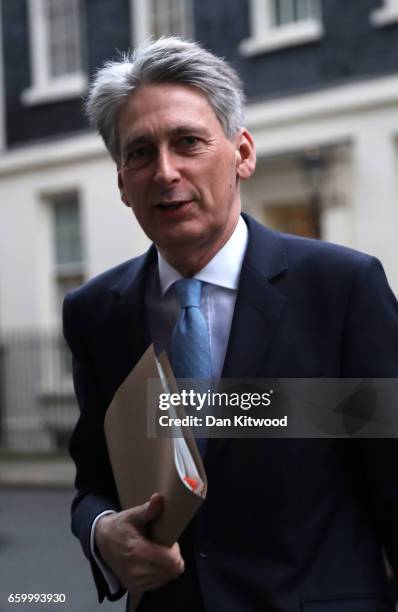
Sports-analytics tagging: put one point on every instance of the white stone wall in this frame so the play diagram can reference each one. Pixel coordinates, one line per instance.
(364, 180)
(356, 124)
(361, 191)
(110, 233)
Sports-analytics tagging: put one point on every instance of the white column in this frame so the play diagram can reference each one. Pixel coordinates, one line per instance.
(375, 182)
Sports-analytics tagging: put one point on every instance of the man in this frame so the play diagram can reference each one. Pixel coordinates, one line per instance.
(288, 525)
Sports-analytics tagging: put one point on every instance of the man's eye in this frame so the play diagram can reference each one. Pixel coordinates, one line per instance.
(138, 156)
(139, 153)
(190, 141)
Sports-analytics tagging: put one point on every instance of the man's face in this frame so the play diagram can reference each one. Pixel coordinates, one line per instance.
(179, 172)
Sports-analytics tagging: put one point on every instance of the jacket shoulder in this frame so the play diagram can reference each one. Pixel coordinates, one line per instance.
(300, 249)
(298, 259)
(96, 294)
(110, 279)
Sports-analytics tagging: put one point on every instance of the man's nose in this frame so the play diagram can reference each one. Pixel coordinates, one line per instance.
(167, 170)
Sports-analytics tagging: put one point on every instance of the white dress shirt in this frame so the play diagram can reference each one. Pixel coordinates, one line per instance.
(220, 279)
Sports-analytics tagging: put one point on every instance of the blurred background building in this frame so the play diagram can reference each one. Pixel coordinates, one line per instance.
(322, 91)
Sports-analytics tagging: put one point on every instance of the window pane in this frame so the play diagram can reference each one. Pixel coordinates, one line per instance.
(67, 231)
(285, 11)
(177, 17)
(159, 26)
(64, 44)
(291, 11)
(169, 17)
(306, 9)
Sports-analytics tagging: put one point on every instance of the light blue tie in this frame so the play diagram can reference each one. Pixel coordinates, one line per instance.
(190, 347)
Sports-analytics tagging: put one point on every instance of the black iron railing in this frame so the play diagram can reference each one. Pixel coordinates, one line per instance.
(37, 404)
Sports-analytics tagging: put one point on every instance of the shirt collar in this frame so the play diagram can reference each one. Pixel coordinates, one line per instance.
(223, 270)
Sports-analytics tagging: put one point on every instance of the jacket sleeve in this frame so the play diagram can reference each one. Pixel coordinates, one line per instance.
(371, 350)
(96, 491)
(370, 338)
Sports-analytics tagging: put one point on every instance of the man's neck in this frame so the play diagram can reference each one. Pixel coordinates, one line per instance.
(190, 263)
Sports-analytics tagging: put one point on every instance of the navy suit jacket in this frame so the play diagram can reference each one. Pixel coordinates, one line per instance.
(293, 525)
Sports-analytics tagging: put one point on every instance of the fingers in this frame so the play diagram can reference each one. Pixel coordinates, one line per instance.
(144, 576)
(160, 557)
(151, 566)
(168, 558)
(140, 516)
(139, 564)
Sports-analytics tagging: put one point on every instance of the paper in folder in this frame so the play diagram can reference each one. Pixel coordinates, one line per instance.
(142, 466)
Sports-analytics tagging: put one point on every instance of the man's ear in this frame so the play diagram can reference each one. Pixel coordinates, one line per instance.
(120, 184)
(245, 155)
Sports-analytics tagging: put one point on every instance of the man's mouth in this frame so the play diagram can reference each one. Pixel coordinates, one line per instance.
(172, 205)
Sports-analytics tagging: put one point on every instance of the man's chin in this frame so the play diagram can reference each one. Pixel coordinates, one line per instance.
(177, 240)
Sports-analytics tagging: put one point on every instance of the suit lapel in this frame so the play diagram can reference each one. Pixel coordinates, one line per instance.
(259, 304)
(258, 310)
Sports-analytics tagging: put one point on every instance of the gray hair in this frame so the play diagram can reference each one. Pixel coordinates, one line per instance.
(166, 60)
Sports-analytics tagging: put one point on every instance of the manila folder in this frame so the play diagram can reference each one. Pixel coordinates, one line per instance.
(141, 465)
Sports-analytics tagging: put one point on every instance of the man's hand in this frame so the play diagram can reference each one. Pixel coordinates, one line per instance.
(139, 564)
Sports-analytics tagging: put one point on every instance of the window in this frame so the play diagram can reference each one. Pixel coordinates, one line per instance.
(63, 37)
(55, 50)
(68, 267)
(300, 219)
(293, 11)
(160, 18)
(386, 14)
(68, 248)
(280, 23)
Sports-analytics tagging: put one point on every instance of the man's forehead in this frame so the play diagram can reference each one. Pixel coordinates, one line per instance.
(165, 99)
(166, 109)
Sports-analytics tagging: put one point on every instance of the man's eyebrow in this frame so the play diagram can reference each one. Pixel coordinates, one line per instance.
(133, 140)
(189, 128)
(145, 138)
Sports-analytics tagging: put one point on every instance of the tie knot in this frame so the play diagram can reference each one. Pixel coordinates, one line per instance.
(189, 291)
